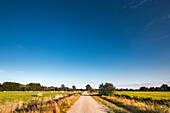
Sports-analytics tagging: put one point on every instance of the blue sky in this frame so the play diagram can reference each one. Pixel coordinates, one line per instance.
(81, 42)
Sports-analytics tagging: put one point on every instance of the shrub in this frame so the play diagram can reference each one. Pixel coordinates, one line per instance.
(106, 89)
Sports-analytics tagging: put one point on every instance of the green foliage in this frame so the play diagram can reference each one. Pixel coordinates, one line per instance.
(144, 89)
(106, 89)
(1, 87)
(89, 88)
(63, 88)
(57, 89)
(34, 86)
(165, 87)
(74, 88)
(11, 86)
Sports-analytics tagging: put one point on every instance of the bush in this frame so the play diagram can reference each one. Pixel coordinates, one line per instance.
(107, 89)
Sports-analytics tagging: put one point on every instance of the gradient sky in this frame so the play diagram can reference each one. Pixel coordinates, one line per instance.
(125, 42)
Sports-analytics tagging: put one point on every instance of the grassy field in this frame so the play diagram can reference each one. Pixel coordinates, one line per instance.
(28, 102)
(121, 104)
(142, 94)
(16, 96)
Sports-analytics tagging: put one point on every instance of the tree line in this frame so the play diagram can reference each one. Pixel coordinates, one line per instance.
(14, 86)
(163, 87)
(108, 89)
(104, 89)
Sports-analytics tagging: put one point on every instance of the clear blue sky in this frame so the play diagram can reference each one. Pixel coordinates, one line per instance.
(125, 42)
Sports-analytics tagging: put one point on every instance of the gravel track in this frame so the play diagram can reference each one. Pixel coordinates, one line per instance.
(86, 104)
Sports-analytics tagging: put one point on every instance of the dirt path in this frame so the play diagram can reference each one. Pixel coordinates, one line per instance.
(86, 104)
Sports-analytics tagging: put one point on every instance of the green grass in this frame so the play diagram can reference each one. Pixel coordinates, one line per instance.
(154, 95)
(16, 96)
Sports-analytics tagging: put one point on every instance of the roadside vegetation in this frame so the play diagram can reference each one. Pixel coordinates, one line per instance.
(161, 98)
(35, 98)
(111, 108)
(53, 103)
(132, 101)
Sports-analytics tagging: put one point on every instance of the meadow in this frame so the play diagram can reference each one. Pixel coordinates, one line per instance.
(135, 101)
(25, 96)
(159, 95)
(28, 102)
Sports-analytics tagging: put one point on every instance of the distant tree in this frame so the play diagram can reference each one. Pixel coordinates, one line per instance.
(107, 89)
(74, 88)
(1, 87)
(63, 87)
(101, 88)
(52, 88)
(57, 89)
(157, 89)
(81, 89)
(34, 86)
(131, 90)
(143, 89)
(89, 88)
(23, 88)
(44, 88)
(126, 89)
(164, 87)
(11, 86)
(68, 89)
(151, 89)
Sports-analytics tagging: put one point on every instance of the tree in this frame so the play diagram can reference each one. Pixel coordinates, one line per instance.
(107, 89)
(157, 89)
(63, 87)
(164, 87)
(52, 88)
(74, 88)
(1, 88)
(151, 89)
(23, 88)
(101, 88)
(143, 89)
(34, 86)
(11, 86)
(57, 89)
(89, 88)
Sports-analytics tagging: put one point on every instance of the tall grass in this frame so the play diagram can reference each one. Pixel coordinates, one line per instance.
(120, 104)
(111, 108)
(162, 98)
(136, 106)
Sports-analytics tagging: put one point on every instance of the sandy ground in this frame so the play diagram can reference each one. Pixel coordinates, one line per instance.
(86, 104)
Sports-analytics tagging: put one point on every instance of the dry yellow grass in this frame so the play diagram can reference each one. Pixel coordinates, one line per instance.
(136, 106)
(110, 106)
